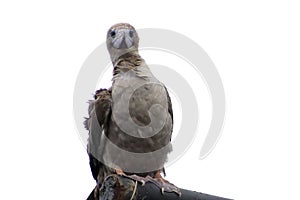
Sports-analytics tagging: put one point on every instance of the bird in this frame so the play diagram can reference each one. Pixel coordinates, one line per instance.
(133, 117)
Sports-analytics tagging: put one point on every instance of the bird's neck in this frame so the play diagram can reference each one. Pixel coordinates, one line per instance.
(130, 59)
(126, 62)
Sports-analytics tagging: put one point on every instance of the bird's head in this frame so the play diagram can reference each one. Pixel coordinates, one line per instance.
(121, 38)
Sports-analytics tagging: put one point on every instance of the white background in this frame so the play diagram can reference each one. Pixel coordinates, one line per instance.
(254, 44)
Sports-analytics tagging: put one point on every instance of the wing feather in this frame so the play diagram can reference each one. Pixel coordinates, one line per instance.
(99, 114)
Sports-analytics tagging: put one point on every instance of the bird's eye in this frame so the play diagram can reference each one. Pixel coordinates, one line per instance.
(112, 34)
(131, 33)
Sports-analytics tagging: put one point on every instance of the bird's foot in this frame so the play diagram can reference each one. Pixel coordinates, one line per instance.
(120, 172)
(164, 185)
(160, 182)
(134, 177)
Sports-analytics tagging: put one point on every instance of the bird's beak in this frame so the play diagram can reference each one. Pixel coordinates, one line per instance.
(123, 39)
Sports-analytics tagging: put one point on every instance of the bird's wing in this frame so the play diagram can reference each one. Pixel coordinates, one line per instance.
(170, 110)
(99, 113)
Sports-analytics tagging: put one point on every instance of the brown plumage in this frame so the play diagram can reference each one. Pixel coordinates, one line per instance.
(134, 115)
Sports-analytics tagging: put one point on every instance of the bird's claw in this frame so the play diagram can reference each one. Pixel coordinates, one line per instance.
(165, 185)
(120, 172)
(143, 182)
(134, 177)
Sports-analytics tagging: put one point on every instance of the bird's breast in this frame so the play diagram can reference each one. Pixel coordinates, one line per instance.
(139, 107)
